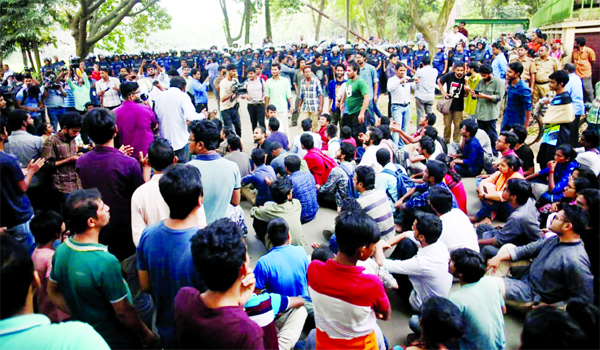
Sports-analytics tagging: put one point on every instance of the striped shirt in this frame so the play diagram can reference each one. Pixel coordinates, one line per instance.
(69, 100)
(345, 300)
(375, 204)
(309, 94)
(262, 309)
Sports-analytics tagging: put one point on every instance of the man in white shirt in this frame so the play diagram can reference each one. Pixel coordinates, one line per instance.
(426, 80)
(371, 141)
(297, 146)
(173, 109)
(400, 87)
(454, 37)
(457, 230)
(107, 89)
(147, 204)
(428, 270)
(333, 142)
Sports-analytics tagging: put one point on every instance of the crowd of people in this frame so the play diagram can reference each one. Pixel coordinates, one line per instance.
(122, 224)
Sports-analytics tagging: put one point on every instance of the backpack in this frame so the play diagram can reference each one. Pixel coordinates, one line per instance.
(328, 162)
(403, 182)
(352, 193)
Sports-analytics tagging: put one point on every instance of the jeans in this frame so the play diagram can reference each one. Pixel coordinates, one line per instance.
(257, 114)
(22, 233)
(486, 232)
(423, 107)
(502, 209)
(465, 171)
(489, 126)
(231, 118)
(54, 114)
(401, 115)
(370, 118)
(351, 120)
(336, 117)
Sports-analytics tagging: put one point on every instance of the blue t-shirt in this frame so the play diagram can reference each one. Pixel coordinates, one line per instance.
(257, 178)
(30, 101)
(166, 255)
(283, 271)
(16, 208)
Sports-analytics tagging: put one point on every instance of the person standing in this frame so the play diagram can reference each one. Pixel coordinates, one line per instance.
(135, 121)
(544, 66)
(472, 79)
(174, 109)
(455, 90)
(575, 90)
(279, 94)
(199, 90)
(311, 98)
(518, 100)
(107, 89)
(499, 63)
(529, 67)
(30, 98)
(336, 89)
(400, 95)
(425, 80)
(257, 91)
(583, 58)
(357, 100)
(489, 92)
(81, 91)
(369, 74)
(228, 100)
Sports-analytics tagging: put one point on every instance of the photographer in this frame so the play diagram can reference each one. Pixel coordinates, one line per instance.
(81, 91)
(256, 92)
(228, 99)
(54, 96)
(30, 98)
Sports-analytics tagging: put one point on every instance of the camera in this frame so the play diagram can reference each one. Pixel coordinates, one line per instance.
(122, 77)
(144, 97)
(239, 88)
(50, 83)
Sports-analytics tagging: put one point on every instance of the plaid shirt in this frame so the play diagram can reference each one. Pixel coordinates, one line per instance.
(56, 148)
(421, 196)
(310, 95)
(337, 183)
(111, 97)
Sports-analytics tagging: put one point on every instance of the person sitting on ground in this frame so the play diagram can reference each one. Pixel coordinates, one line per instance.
(454, 183)
(387, 181)
(215, 318)
(470, 161)
(305, 188)
(589, 200)
(306, 129)
(479, 300)
(587, 315)
(560, 270)
(333, 142)
(419, 153)
(457, 230)
(339, 184)
(588, 153)
(258, 176)
(46, 227)
(21, 327)
(374, 201)
(418, 196)
(371, 142)
(547, 327)
(346, 135)
(277, 135)
(428, 270)
(505, 145)
(319, 164)
(283, 206)
(323, 123)
(522, 226)
(523, 150)
(425, 121)
(557, 174)
(575, 186)
(386, 141)
(236, 155)
(347, 301)
(491, 188)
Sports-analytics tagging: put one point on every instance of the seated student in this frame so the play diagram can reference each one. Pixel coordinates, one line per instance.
(505, 145)
(305, 188)
(486, 144)
(457, 230)
(386, 141)
(427, 271)
(575, 186)
(560, 270)
(418, 196)
(491, 188)
(419, 153)
(236, 155)
(346, 135)
(374, 201)
(394, 187)
(323, 123)
(522, 226)
(440, 322)
(523, 151)
(371, 141)
(215, 319)
(454, 183)
(339, 184)
(87, 281)
(587, 315)
(333, 142)
(347, 301)
(479, 300)
(20, 328)
(551, 181)
(283, 206)
(319, 164)
(589, 200)
(164, 259)
(283, 271)
(425, 121)
(547, 327)
(276, 135)
(470, 161)
(258, 176)
(588, 153)
(306, 129)
(46, 227)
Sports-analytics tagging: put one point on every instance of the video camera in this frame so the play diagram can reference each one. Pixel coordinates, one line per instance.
(50, 82)
(238, 88)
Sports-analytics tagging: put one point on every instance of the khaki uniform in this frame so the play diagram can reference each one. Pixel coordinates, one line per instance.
(543, 70)
(528, 67)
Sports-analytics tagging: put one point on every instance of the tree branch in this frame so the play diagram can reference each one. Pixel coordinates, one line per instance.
(150, 4)
(115, 22)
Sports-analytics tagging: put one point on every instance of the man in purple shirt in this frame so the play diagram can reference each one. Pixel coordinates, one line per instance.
(258, 177)
(276, 135)
(115, 175)
(136, 122)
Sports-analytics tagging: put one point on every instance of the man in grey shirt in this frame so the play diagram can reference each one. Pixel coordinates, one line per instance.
(560, 270)
(522, 226)
(425, 92)
(489, 92)
(235, 154)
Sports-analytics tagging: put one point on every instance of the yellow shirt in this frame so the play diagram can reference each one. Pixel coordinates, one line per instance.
(544, 68)
(528, 67)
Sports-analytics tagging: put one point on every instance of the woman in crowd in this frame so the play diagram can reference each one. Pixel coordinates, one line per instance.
(550, 182)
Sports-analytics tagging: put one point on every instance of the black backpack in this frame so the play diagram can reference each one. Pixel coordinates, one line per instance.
(403, 182)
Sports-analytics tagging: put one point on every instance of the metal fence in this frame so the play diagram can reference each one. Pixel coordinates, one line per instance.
(555, 11)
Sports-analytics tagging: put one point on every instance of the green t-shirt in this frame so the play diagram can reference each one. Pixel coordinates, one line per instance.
(90, 279)
(355, 92)
(278, 91)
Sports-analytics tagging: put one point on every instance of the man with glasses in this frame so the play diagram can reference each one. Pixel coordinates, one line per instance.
(135, 121)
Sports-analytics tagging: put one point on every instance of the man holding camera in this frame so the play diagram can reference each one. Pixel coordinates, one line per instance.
(54, 96)
(30, 98)
(228, 100)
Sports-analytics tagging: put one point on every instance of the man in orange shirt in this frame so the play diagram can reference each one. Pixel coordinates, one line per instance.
(583, 58)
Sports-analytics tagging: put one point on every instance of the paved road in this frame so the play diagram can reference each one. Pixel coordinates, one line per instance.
(396, 328)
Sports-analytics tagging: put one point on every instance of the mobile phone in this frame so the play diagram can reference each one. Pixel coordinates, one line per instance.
(477, 92)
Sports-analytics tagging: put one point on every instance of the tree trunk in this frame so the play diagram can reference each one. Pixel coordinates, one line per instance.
(366, 14)
(24, 55)
(268, 19)
(484, 16)
(321, 7)
(412, 30)
(433, 32)
(36, 53)
(247, 10)
(32, 65)
(347, 19)
(228, 36)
